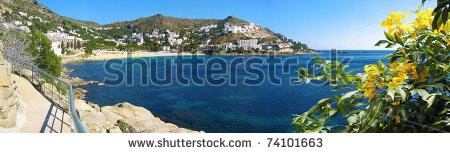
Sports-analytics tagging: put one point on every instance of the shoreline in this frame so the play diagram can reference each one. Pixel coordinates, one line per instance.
(79, 91)
(111, 118)
(102, 55)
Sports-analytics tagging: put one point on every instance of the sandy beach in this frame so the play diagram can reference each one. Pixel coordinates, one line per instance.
(102, 55)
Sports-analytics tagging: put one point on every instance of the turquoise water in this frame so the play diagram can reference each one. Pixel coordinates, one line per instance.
(262, 108)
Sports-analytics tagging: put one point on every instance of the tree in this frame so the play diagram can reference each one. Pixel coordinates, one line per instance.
(441, 12)
(63, 48)
(240, 50)
(46, 59)
(90, 46)
(78, 46)
(410, 94)
(15, 44)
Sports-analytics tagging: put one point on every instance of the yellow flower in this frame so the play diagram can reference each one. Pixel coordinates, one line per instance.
(395, 103)
(421, 76)
(410, 68)
(396, 81)
(397, 120)
(373, 80)
(372, 69)
(399, 67)
(393, 64)
(370, 93)
(402, 29)
(443, 28)
(394, 23)
(424, 18)
(368, 83)
(404, 51)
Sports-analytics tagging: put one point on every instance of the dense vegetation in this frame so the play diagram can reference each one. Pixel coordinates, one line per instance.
(410, 94)
(46, 59)
(161, 22)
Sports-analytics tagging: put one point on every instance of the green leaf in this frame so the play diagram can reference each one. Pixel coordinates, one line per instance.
(322, 101)
(436, 21)
(348, 95)
(402, 93)
(387, 57)
(391, 92)
(333, 112)
(352, 119)
(423, 93)
(313, 110)
(430, 100)
(399, 40)
(389, 37)
(381, 42)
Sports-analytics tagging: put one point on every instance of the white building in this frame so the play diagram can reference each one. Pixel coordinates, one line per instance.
(166, 48)
(249, 44)
(56, 48)
(8, 25)
(138, 38)
(17, 23)
(58, 38)
(173, 35)
(246, 29)
(284, 48)
(173, 41)
(25, 28)
(208, 28)
(161, 36)
(23, 14)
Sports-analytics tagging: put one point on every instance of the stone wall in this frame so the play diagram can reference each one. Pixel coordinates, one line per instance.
(8, 98)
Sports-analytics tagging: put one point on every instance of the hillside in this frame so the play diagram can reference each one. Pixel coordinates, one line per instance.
(162, 22)
(197, 31)
(44, 19)
(34, 8)
(181, 25)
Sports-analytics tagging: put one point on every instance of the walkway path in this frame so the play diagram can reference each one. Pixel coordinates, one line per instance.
(41, 116)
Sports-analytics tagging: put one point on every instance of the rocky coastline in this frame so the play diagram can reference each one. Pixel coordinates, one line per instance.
(120, 118)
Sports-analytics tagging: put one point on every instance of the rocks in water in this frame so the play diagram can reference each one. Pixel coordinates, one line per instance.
(123, 117)
(79, 93)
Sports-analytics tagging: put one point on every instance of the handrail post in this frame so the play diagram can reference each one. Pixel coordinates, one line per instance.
(32, 74)
(75, 118)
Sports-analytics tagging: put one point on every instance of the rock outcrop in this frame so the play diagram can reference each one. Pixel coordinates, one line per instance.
(122, 118)
(9, 101)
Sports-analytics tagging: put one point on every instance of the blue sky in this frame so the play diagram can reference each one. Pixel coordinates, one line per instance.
(322, 24)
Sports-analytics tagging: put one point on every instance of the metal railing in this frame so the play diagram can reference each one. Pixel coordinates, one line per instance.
(58, 91)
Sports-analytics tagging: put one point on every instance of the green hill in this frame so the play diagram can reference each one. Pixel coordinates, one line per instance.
(163, 23)
(34, 8)
(89, 30)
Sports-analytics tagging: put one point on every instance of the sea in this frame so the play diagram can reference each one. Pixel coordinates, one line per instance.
(218, 94)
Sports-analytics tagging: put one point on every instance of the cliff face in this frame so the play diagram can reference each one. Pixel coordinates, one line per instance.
(9, 101)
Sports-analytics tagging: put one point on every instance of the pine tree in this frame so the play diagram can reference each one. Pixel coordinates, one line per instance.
(47, 60)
